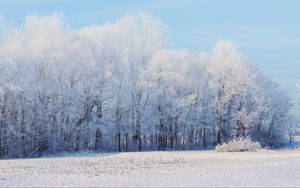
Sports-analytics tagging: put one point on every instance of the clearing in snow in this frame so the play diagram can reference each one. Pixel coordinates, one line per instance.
(172, 169)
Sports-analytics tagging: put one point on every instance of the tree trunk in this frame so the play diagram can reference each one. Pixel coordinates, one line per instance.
(204, 139)
(219, 137)
(98, 138)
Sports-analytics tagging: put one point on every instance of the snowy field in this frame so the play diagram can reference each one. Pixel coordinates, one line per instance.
(191, 168)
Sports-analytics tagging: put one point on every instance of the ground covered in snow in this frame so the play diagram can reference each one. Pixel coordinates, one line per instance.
(192, 168)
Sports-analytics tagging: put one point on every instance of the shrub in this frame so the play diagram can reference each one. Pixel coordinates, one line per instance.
(239, 145)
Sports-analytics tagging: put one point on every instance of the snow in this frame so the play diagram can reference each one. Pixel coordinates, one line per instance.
(172, 169)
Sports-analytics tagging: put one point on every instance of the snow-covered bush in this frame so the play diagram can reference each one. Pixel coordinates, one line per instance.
(238, 145)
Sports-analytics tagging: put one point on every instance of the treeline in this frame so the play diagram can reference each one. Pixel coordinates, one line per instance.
(117, 87)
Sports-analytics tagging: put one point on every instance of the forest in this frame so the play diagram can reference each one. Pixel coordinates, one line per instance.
(120, 87)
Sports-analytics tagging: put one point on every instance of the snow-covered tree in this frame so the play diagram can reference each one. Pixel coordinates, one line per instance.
(117, 87)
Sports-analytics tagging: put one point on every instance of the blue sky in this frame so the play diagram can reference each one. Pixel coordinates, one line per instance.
(267, 31)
